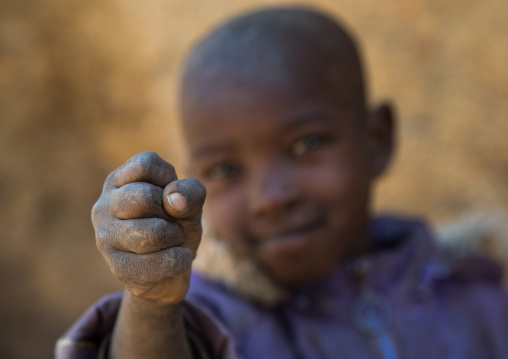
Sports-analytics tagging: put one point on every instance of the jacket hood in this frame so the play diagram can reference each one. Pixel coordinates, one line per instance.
(406, 257)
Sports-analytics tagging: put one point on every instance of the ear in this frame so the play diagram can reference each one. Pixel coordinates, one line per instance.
(381, 128)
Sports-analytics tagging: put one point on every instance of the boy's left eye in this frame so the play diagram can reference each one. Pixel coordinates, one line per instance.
(306, 144)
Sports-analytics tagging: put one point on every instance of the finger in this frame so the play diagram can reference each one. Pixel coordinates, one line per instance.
(143, 167)
(137, 200)
(184, 199)
(142, 236)
(148, 268)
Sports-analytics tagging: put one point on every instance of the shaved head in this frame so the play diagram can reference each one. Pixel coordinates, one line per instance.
(275, 121)
(277, 45)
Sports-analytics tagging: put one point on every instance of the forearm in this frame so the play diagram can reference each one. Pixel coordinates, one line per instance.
(147, 330)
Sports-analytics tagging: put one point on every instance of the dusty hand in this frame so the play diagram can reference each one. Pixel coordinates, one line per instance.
(148, 243)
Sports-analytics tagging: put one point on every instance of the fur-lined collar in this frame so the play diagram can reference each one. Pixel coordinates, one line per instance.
(456, 242)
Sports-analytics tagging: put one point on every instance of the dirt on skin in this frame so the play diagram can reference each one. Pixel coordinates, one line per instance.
(86, 84)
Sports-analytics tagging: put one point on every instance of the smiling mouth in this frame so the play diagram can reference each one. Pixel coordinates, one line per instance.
(296, 233)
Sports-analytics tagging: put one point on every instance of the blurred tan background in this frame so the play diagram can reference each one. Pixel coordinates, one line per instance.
(86, 84)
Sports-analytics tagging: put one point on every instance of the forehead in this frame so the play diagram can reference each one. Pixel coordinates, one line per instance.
(266, 90)
(261, 111)
(266, 66)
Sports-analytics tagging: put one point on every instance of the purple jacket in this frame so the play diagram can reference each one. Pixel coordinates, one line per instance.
(407, 299)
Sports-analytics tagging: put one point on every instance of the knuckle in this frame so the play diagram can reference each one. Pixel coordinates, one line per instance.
(118, 265)
(152, 194)
(127, 196)
(101, 240)
(161, 234)
(146, 160)
(95, 213)
(137, 271)
(174, 236)
(149, 242)
(170, 168)
(124, 211)
(178, 260)
(136, 199)
(97, 221)
(110, 177)
(148, 154)
(150, 159)
(98, 210)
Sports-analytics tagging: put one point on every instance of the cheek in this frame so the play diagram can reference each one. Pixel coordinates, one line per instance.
(342, 193)
(341, 187)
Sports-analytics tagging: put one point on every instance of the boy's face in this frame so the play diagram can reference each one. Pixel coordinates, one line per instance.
(288, 170)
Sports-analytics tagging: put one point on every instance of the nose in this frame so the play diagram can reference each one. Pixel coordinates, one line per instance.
(273, 190)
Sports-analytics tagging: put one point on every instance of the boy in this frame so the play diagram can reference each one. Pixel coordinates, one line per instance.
(275, 117)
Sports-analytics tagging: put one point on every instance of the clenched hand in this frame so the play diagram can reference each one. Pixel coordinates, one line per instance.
(148, 227)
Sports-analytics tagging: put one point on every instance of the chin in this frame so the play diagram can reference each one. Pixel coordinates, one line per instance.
(294, 275)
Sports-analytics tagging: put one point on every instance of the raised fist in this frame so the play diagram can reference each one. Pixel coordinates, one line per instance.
(148, 227)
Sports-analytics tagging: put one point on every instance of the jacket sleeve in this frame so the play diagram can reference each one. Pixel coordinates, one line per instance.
(88, 337)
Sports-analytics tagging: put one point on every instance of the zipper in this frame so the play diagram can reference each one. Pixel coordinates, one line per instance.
(371, 311)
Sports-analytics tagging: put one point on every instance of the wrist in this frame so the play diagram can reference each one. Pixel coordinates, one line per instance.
(148, 329)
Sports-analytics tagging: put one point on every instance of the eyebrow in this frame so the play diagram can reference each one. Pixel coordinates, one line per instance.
(299, 119)
(305, 118)
(207, 149)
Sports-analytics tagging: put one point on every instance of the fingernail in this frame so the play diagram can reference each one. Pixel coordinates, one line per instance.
(177, 201)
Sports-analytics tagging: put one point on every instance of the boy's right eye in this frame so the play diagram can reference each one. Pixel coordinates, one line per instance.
(306, 144)
(221, 171)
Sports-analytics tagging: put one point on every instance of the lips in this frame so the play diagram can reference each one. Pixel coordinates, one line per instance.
(288, 233)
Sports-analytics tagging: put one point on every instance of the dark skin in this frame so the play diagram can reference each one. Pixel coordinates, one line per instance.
(289, 173)
(288, 179)
(149, 244)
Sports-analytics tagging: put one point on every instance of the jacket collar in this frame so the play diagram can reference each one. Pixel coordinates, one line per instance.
(406, 260)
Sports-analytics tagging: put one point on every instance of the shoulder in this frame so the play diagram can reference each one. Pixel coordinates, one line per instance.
(475, 247)
(460, 256)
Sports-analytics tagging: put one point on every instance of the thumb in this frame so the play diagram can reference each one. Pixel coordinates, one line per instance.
(183, 200)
